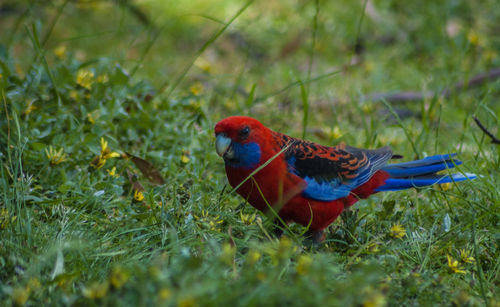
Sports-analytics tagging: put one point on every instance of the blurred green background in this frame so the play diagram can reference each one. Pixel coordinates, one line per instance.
(83, 83)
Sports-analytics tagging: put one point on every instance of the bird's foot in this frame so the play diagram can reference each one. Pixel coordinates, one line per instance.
(315, 236)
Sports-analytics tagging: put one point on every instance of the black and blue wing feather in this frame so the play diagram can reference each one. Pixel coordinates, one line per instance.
(333, 172)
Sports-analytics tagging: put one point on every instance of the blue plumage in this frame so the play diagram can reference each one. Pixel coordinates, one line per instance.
(332, 173)
(394, 184)
(405, 175)
(336, 187)
(426, 165)
(421, 173)
(332, 189)
(247, 155)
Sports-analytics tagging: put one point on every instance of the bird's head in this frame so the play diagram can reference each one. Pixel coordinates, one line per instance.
(239, 140)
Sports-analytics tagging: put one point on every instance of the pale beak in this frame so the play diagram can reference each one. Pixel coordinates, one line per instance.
(223, 147)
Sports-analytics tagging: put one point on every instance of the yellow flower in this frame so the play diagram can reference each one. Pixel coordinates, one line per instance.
(489, 55)
(90, 118)
(367, 107)
(184, 159)
(196, 89)
(247, 219)
(465, 256)
(446, 186)
(118, 277)
(213, 223)
(20, 295)
(185, 156)
(73, 94)
(154, 271)
(96, 290)
(164, 294)
(336, 133)
(60, 51)
(85, 78)
(473, 38)
(64, 282)
(186, 302)
(106, 153)
(93, 116)
(397, 231)
(253, 256)
(375, 299)
(369, 66)
(4, 218)
(102, 78)
(112, 172)
(227, 254)
(282, 252)
(285, 244)
(34, 283)
(229, 105)
(373, 247)
(55, 156)
(138, 196)
(97, 162)
(19, 71)
(158, 205)
(454, 266)
(30, 108)
(203, 64)
(303, 264)
(208, 221)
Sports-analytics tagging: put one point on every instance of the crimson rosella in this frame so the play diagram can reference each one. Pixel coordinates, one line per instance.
(311, 184)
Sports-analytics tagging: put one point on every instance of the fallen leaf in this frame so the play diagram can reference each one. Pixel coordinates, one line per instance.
(147, 169)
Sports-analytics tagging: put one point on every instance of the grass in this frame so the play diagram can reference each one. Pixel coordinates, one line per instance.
(82, 225)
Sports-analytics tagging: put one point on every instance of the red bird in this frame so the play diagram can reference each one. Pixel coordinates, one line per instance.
(311, 184)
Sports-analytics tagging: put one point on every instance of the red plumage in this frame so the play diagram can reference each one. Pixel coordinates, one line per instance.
(281, 182)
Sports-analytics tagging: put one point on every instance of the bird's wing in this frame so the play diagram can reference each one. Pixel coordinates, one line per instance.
(331, 172)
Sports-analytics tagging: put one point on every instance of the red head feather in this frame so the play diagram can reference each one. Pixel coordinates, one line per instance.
(233, 127)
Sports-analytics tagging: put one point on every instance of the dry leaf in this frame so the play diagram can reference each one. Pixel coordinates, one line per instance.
(147, 169)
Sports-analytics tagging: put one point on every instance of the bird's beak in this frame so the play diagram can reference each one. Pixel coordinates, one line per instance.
(223, 147)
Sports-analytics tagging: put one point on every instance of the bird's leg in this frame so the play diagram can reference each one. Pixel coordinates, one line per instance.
(315, 236)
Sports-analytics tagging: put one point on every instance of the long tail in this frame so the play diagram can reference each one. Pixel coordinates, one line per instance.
(421, 173)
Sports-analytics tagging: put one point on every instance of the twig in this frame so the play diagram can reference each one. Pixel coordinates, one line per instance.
(461, 85)
(400, 97)
(140, 15)
(494, 139)
(477, 80)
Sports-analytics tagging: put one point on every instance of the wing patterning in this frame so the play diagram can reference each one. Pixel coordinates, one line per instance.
(331, 172)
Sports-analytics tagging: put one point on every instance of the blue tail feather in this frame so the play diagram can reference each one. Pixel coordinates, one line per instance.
(395, 184)
(421, 173)
(420, 170)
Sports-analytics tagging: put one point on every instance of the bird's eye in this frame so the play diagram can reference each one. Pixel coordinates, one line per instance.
(244, 132)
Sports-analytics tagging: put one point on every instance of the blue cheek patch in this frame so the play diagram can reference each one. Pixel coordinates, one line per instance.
(247, 155)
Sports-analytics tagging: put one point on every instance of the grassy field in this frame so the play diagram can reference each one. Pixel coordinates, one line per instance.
(111, 191)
